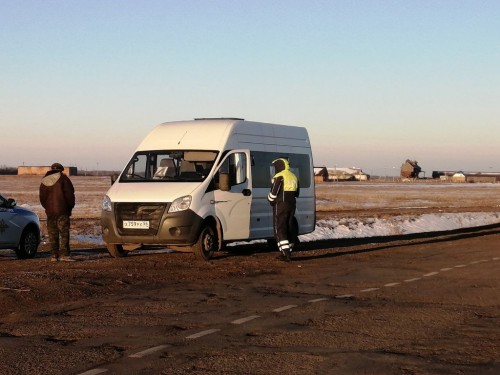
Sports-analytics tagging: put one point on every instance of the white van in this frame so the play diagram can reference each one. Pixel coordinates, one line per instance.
(197, 185)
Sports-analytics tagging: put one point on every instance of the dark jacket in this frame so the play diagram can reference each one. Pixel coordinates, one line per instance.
(285, 187)
(57, 194)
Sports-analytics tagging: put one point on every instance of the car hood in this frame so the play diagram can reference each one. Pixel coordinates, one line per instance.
(23, 211)
(21, 214)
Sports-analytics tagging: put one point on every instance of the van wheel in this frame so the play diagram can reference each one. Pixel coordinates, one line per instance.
(28, 244)
(207, 243)
(116, 250)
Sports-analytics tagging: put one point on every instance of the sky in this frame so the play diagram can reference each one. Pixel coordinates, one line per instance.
(374, 82)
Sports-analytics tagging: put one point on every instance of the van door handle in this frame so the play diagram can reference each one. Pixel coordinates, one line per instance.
(247, 192)
(214, 202)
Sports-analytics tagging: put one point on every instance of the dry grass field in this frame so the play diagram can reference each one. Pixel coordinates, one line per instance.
(89, 192)
(379, 307)
(394, 198)
(346, 199)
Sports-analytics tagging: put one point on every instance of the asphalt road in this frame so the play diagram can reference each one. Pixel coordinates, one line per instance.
(414, 305)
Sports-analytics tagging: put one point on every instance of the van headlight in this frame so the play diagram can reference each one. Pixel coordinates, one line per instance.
(106, 204)
(180, 204)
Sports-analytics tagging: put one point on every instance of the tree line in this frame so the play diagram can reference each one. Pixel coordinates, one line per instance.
(4, 170)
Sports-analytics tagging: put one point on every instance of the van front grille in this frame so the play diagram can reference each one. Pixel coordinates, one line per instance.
(139, 213)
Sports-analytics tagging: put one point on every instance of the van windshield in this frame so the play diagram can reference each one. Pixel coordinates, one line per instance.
(169, 166)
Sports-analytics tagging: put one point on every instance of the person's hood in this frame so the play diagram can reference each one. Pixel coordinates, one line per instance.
(51, 178)
(280, 165)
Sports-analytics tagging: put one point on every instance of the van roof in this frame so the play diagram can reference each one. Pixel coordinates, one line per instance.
(222, 133)
(219, 118)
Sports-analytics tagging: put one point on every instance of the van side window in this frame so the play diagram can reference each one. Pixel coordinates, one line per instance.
(263, 171)
(235, 166)
(238, 171)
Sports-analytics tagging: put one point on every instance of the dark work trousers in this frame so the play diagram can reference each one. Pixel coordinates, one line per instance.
(283, 213)
(58, 228)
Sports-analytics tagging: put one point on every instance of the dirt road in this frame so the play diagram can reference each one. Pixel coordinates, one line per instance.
(413, 305)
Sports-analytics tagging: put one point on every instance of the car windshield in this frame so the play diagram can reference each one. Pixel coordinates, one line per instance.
(169, 166)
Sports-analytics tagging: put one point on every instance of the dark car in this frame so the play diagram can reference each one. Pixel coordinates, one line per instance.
(19, 229)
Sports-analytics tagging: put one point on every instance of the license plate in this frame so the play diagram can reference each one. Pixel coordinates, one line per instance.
(135, 224)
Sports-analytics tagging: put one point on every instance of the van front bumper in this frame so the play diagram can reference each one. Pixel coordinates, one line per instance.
(178, 228)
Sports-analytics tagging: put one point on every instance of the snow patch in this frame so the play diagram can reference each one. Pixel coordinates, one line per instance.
(374, 227)
(398, 225)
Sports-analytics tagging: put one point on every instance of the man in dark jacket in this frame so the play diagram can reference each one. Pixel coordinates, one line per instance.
(284, 190)
(57, 196)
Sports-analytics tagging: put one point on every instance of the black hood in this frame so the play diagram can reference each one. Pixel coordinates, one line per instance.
(279, 165)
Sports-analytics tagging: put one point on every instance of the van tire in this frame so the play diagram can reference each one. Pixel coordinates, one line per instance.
(207, 243)
(28, 244)
(116, 250)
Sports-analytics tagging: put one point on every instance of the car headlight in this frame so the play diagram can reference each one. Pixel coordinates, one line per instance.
(180, 204)
(106, 204)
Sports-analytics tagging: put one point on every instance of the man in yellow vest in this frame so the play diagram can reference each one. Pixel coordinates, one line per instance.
(285, 188)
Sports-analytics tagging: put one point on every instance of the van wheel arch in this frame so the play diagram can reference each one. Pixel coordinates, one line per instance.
(116, 250)
(209, 239)
(220, 235)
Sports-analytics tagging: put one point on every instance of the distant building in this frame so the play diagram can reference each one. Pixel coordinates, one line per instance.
(41, 170)
(320, 174)
(410, 169)
(471, 177)
(458, 177)
(483, 177)
(347, 174)
(443, 175)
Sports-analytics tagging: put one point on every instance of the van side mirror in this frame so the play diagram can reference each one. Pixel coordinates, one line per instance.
(114, 177)
(11, 203)
(224, 184)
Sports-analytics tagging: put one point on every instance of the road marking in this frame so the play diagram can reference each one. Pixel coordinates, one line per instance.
(412, 280)
(15, 289)
(344, 296)
(203, 333)
(370, 289)
(283, 308)
(148, 351)
(391, 284)
(317, 300)
(94, 371)
(246, 319)
(430, 274)
(155, 349)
